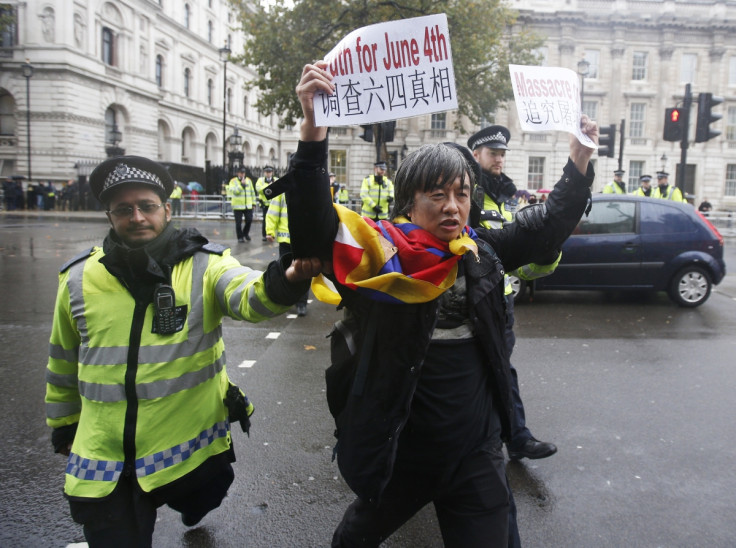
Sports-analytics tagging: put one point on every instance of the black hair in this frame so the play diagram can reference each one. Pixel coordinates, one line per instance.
(430, 167)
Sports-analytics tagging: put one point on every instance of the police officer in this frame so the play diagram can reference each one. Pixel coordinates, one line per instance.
(334, 186)
(136, 377)
(617, 186)
(241, 194)
(645, 186)
(261, 184)
(489, 147)
(377, 193)
(665, 191)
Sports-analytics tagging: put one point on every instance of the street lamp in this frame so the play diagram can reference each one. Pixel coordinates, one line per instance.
(115, 136)
(224, 56)
(27, 70)
(663, 159)
(583, 66)
(236, 155)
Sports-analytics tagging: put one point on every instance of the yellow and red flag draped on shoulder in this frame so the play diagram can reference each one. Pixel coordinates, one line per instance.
(391, 262)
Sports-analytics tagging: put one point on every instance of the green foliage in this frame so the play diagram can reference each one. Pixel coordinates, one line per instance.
(7, 16)
(284, 37)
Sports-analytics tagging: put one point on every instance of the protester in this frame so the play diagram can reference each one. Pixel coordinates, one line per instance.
(419, 382)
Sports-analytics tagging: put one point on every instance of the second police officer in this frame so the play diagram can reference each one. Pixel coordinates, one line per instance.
(377, 193)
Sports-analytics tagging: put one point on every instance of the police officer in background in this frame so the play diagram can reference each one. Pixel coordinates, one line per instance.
(137, 390)
(665, 191)
(334, 186)
(261, 184)
(377, 193)
(489, 147)
(241, 193)
(645, 186)
(617, 186)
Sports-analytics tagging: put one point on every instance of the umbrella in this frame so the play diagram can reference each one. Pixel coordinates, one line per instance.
(184, 188)
(543, 191)
(194, 185)
(522, 194)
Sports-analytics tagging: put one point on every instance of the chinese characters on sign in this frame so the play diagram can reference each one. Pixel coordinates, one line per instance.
(390, 71)
(548, 98)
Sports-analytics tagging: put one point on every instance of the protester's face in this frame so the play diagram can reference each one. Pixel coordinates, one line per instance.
(138, 228)
(442, 211)
(490, 159)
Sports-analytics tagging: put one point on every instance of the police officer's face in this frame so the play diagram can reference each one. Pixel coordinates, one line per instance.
(138, 227)
(491, 160)
(442, 211)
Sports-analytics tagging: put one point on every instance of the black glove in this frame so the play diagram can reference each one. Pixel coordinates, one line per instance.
(239, 407)
(378, 209)
(62, 437)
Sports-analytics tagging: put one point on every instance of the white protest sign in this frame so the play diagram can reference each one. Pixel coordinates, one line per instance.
(389, 71)
(548, 98)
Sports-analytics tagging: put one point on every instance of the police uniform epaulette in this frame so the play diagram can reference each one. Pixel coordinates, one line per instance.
(212, 247)
(80, 257)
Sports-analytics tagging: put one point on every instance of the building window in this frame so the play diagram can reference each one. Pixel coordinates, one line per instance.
(159, 71)
(639, 69)
(439, 120)
(732, 71)
(229, 99)
(542, 55)
(339, 165)
(590, 108)
(7, 113)
(111, 124)
(730, 189)
(7, 30)
(245, 107)
(187, 15)
(210, 31)
(187, 81)
(636, 119)
(593, 56)
(731, 124)
(108, 40)
(688, 68)
(535, 173)
(636, 170)
(209, 91)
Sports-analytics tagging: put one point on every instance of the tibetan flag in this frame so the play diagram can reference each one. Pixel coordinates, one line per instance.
(391, 262)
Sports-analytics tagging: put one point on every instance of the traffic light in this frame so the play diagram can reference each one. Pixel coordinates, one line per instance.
(706, 102)
(673, 124)
(389, 128)
(367, 134)
(607, 141)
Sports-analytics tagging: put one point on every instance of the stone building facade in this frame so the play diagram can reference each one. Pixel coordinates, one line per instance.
(151, 69)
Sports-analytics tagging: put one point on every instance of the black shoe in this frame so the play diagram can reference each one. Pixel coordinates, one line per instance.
(264, 239)
(301, 309)
(247, 237)
(190, 520)
(241, 240)
(533, 449)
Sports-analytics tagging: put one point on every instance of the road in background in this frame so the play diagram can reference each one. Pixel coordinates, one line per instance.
(636, 392)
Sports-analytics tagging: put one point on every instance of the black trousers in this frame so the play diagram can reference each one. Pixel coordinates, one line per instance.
(471, 502)
(126, 518)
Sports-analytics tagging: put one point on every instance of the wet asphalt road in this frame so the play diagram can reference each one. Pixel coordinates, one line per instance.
(637, 394)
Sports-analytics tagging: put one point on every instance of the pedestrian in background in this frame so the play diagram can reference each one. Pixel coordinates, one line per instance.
(137, 389)
(261, 184)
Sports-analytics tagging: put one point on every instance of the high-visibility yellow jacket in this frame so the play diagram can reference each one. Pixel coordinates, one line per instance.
(372, 194)
(146, 404)
(261, 184)
(277, 220)
(613, 188)
(241, 194)
(176, 193)
(494, 216)
(670, 193)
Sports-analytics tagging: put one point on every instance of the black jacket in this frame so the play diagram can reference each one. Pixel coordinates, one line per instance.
(371, 413)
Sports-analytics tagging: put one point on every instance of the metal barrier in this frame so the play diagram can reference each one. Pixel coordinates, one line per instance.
(210, 206)
(724, 221)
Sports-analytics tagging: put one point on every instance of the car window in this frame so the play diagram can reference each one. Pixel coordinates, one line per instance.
(659, 218)
(608, 217)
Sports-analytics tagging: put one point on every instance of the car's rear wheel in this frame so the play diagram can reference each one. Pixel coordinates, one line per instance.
(690, 287)
(518, 286)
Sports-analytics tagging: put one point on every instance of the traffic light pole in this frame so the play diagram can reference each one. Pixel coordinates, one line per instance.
(621, 145)
(681, 170)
